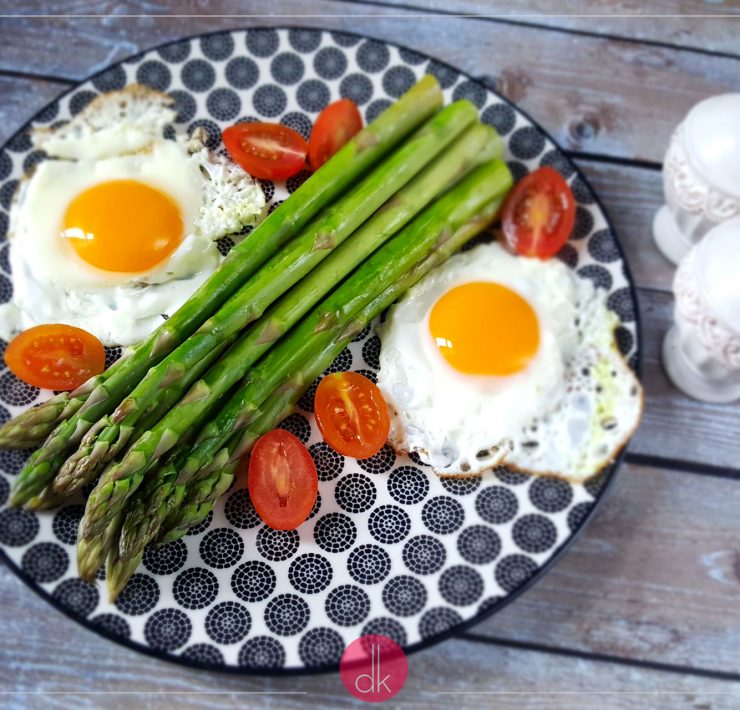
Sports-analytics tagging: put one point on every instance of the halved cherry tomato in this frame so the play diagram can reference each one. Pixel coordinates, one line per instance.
(268, 151)
(352, 414)
(538, 215)
(56, 357)
(282, 480)
(334, 127)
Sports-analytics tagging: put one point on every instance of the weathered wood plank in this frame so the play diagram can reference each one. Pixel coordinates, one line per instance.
(676, 21)
(603, 109)
(463, 674)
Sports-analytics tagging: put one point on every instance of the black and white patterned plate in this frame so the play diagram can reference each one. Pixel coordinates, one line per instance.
(389, 548)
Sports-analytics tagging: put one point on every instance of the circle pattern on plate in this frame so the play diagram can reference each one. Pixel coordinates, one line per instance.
(390, 548)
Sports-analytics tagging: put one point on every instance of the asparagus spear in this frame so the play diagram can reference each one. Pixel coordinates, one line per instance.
(333, 317)
(104, 392)
(477, 144)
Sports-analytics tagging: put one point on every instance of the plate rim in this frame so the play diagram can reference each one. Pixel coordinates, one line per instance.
(480, 615)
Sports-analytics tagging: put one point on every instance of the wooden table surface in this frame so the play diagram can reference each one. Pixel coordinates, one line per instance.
(644, 610)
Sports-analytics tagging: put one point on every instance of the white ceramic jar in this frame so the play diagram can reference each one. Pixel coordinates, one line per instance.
(701, 175)
(701, 352)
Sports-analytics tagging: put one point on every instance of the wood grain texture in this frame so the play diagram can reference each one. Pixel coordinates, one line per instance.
(626, 104)
(51, 653)
(665, 21)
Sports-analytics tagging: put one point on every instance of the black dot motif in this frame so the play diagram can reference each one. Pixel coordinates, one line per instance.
(4, 415)
(501, 116)
(321, 647)
(445, 74)
(461, 486)
(370, 374)
(262, 653)
(224, 245)
(584, 223)
(212, 131)
(347, 605)
(262, 43)
(424, 554)
(77, 596)
(113, 79)
(310, 573)
(595, 484)
(373, 56)
(345, 40)
(603, 247)
(442, 515)
(316, 508)
(15, 392)
(155, 74)
(496, 505)
(113, 624)
(139, 596)
(511, 477)
(313, 95)
(581, 191)
(577, 515)
(17, 527)
(228, 622)
(371, 352)
(65, 523)
(242, 73)
(619, 301)
(624, 339)
(398, 80)
(330, 63)
(568, 254)
(479, 544)
(304, 40)
(45, 562)
(47, 114)
(195, 588)
(175, 52)
(112, 353)
(385, 626)
(550, 495)
(600, 276)
(294, 182)
(221, 548)
(269, 100)
(410, 56)
(518, 170)
(198, 75)
(198, 528)
(472, 91)
(356, 87)
(329, 464)
(6, 193)
(287, 614)
(368, 564)
(379, 463)
(5, 263)
(184, 105)
(408, 485)
(268, 189)
(218, 46)
(461, 585)
(355, 493)
(534, 533)
(204, 654)
(298, 122)
(438, 621)
(556, 160)
(342, 362)
(223, 104)
(376, 108)
(33, 159)
(253, 581)
(297, 425)
(527, 143)
(21, 141)
(4, 490)
(287, 68)
(404, 595)
(362, 334)
(165, 559)
(167, 629)
(389, 524)
(6, 165)
(514, 570)
(277, 545)
(335, 532)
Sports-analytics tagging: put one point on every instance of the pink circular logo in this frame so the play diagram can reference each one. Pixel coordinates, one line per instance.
(373, 668)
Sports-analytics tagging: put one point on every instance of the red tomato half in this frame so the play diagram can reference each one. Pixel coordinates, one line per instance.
(282, 480)
(268, 151)
(334, 127)
(56, 357)
(351, 414)
(538, 215)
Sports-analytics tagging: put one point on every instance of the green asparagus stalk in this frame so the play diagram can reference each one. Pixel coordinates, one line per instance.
(425, 234)
(104, 392)
(478, 144)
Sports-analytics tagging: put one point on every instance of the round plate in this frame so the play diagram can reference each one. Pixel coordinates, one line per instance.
(389, 547)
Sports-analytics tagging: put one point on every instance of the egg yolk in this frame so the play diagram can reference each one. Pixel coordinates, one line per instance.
(484, 328)
(123, 225)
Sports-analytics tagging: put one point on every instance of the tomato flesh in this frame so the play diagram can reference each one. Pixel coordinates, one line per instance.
(336, 125)
(282, 480)
(538, 215)
(55, 357)
(351, 414)
(269, 151)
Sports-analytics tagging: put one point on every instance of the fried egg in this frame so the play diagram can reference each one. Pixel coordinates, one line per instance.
(494, 358)
(117, 229)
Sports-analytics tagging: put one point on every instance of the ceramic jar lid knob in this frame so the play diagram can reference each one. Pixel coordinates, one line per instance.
(701, 175)
(701, 352)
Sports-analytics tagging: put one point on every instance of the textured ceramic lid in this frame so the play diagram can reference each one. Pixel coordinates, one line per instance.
(713, 141)
(718, 271)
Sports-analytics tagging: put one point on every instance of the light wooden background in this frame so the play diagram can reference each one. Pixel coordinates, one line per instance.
(644, 611)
